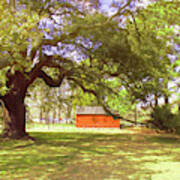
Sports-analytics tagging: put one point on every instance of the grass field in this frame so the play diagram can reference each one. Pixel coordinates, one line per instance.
(65, 153)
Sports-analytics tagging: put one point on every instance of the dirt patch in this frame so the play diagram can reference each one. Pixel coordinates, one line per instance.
(143, 130)
(148, 131)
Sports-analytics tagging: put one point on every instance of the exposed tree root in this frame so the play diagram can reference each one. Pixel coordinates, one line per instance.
(24, 136)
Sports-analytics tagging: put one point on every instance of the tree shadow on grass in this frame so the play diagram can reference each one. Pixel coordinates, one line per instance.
(102, 146)
(166, 140)
(83, 156)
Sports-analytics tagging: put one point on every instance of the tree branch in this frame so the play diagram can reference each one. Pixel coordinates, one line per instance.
(119, 12)
(135, 24)
(62, 38)
(49, 81)
(48, 61)
(82, 87)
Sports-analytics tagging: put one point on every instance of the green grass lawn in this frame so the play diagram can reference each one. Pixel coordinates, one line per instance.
(81, 154)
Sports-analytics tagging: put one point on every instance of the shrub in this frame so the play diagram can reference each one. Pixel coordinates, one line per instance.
(176, 123)
(164, 119)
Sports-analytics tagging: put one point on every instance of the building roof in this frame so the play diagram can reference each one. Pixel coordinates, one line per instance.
(90, 110)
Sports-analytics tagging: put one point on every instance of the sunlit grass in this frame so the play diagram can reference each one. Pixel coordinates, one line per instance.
(69, 154)
(68, 128)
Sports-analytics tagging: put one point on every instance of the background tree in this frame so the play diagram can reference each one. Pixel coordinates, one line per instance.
(45, 103)
(160, 20)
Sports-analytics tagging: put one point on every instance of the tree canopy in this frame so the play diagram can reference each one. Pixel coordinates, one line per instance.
(76, 41)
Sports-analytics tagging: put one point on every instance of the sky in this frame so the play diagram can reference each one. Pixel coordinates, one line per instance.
(106, 3)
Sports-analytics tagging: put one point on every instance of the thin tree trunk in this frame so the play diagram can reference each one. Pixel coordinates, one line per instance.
(54, 117)
(135, 115)
(166, 100)
(166, 97)
(59, 115)
(41, 115)
(156, 100)
(13, 4)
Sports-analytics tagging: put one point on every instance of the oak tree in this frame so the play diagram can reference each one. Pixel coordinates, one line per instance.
(57, 40)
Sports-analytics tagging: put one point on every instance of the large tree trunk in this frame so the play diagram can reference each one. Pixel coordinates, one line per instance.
(18, 82)
(15, 124)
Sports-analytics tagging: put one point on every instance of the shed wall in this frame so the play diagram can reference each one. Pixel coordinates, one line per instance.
(96, 121)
